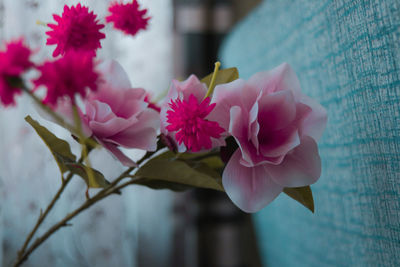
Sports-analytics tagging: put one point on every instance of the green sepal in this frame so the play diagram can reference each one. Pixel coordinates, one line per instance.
(303, 195)
(223, 76)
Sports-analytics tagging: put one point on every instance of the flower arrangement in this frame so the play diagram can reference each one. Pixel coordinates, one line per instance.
(252, 139)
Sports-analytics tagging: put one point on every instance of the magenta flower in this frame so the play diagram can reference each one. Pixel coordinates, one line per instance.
(14, 61)
(118, 115)
(67, 76)
(77, 29)
(185, 117)
(128, 17)
(276, 128)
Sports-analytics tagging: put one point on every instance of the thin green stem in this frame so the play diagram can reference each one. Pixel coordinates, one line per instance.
(110, 189)
(213, 79)
(44, 214)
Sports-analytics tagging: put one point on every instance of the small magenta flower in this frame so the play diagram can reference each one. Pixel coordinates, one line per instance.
(128, 17)
(14, 61)
(187, 118)
(67, 76)
(77, 29)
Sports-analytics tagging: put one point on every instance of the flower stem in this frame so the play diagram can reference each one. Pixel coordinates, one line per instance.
(44, 214)
(213, 79)
(82, 139)
(110, 189)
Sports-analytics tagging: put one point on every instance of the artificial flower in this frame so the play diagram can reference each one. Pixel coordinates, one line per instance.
(185, 117)
(276, 128)
(128, 17)
(14, 61)
(77, 29)
(118, 114)
(68, 76)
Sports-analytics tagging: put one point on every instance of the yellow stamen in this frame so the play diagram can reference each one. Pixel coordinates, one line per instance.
(213, 79)
(41, 23)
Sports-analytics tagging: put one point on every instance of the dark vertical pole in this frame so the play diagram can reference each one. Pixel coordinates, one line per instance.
(209, 229)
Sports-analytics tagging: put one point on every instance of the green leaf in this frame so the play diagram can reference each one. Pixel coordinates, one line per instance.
(212, 159)
(301, 194)
(56, 145)
(223, 76)
(168, 171)
(99, 181)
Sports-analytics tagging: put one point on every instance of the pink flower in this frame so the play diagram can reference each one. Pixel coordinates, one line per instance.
(128, 17)
(276, 128)
(67, 76)
(77, 29)
(185, 117)
(118, 115)
(14, 61)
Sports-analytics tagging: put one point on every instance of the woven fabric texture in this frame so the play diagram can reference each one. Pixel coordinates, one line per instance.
(346, 54)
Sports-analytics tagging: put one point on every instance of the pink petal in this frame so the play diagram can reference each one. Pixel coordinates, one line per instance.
(301, 166)
(119, 155)
(111, 127)
(103, 111)
(114, 74)
(278, 143)
(280, 78)
(141, 135)
(227, 95)
(314, 124)
(191, 86)
(145, 139)
(238, 128)
(133, 103)
(277, 110)
(250, 189)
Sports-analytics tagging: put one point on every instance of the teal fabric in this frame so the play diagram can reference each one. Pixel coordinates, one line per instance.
(347, 56)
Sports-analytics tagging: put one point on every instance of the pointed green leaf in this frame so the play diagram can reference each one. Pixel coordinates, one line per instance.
(212, 159)
(223, 76)
(159, 184)
(55, 144)
(171, 170)
(99, 181)
(301, 194)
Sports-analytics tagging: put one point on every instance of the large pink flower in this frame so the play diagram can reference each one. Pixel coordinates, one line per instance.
(276, 128)
(185, 117)
(77, 29)
(118, 115)
(14, 61)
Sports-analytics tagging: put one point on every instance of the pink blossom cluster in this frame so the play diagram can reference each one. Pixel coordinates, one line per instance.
(274, 125)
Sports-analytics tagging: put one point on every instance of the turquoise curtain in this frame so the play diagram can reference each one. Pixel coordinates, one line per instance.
(347, 56)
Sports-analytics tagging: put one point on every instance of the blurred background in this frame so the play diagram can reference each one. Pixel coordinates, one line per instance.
(346, 54)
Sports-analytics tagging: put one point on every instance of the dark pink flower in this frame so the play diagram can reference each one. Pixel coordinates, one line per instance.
(14, 61)
(276, 128)
(77, 29)
(67, 76)
(185, 117)
(128, 17)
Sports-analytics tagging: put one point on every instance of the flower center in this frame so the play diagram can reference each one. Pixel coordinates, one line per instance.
(187, 119)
